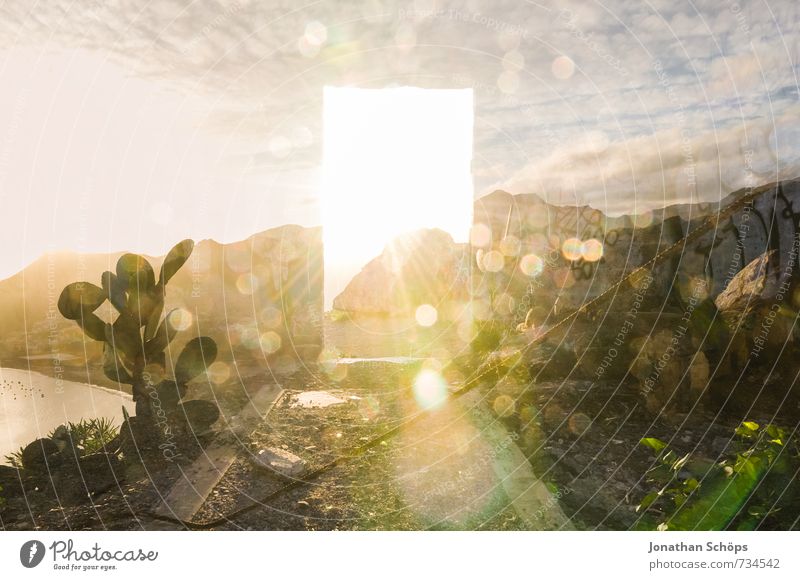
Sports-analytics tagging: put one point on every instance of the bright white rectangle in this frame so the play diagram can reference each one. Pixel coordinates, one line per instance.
(395, 160)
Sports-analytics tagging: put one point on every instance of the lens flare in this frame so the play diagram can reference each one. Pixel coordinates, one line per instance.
(563, 67)
(531, 265)
(180, 319)
(493, 261)
(218, 372)
(426, 315)
(430, 390)
(271, 317)
(316, 33)
(246, 284)
(504, 406)
(642, 220)
(480, 235)
(579, 423)
(270, 342)
(592, 250)
(510, 246)
(571, 248)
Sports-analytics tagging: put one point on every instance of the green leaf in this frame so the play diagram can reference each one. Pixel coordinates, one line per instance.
(136, 272)
(750, 425)
(170, 393)
(655, 444)
(195, 358)
(162, 337)
(647, 501)
(113, 367)
(151, 327)
(142, 304)
(175, 259)
(80, 298)
(115, 287)
(93, 326)
(124, 336)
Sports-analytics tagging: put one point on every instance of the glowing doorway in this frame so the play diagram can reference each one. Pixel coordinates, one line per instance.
(395, 160)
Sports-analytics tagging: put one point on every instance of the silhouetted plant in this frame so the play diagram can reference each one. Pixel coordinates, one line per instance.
(89, 435)
(135, 343)
(14, 459)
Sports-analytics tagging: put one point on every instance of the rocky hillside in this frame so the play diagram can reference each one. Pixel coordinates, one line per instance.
(524, 247)
(723, 300)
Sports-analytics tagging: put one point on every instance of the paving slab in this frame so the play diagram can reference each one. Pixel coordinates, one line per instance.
(190, 491)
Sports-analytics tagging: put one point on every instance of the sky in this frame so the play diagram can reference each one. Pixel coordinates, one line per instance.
(128, 125)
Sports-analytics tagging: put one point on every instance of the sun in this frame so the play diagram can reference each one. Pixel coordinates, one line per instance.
(395, 160)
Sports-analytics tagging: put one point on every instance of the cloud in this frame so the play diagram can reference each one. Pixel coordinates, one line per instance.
(665, 168)
(722, 67)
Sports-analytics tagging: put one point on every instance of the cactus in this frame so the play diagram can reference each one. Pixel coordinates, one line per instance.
(135, 344)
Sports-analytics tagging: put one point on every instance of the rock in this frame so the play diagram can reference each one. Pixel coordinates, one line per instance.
(743, 292)
(41, 455)
(417, 268)
(279, 460)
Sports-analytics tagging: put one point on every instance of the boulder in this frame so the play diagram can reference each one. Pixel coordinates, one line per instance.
(41, 455)
(743, 292)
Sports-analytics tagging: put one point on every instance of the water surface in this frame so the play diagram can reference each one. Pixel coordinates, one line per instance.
(32, 405)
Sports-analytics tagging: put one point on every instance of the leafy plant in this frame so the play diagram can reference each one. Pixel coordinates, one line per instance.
(14, 459)
(135, 343)
(87, 435)
(90, 435)
(746, 489)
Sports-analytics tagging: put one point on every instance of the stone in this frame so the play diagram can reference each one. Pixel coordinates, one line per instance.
(279, 460)
(40, 455)
(744, 290)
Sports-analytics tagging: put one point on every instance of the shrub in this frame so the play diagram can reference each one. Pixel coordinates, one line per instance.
(755, 486)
